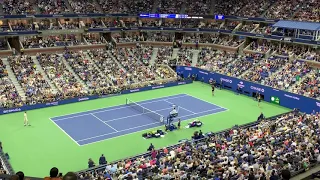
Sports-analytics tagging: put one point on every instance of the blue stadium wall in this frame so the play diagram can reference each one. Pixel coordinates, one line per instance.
(287, 99)
(86, 98)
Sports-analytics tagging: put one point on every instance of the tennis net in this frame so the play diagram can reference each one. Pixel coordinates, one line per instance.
(152, 114)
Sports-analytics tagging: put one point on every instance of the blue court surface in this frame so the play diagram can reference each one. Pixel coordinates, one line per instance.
(101, 124)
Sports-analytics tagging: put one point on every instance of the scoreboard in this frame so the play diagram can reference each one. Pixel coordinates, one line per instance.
(179, 16)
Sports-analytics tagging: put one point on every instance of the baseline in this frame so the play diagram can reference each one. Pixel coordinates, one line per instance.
(116, 108)
(65, 132)
(208, 112)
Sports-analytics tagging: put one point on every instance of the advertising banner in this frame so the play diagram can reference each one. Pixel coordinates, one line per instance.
(283, 98)
(86, 98)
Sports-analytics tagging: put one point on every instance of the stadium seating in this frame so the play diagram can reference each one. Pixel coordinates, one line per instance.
(9, 95)
(273, 145)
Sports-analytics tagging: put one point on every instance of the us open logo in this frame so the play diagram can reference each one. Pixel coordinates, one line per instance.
(241, 84)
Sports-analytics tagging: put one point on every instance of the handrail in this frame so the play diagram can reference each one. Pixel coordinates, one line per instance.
(7, 166)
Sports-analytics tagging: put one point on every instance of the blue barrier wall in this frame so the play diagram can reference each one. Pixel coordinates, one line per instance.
(86, 98)
(287, 99)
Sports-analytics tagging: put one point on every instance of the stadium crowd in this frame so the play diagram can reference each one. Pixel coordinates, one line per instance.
(185, 56)
(261, 151)
(270, 149)
(35, 86)
(214, 60)
(60, 76)
(9, 96)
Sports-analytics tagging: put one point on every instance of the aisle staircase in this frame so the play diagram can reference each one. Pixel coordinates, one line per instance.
(97, 68)
(73, 73)
(44, 75)
(116, 61)
(154, 55)
(13, 78)
(195, 57)
(175, 53)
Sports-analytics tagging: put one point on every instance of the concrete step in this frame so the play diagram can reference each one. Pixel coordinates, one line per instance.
(74, 74)
(40, 69)
(116, 61)
(154, 55)
(195, 57)
(175, 53)
(97, 68)
(14, 80)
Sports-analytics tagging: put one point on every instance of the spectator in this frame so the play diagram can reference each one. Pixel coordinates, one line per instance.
(151, 147)
(90, 163)
(14, 177)
(70, 176)
(53, 174)
(285, 174)
(21, 175)
(274, 176)
(102, 160)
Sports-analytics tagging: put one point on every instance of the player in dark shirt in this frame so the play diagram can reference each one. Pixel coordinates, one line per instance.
(212, 90)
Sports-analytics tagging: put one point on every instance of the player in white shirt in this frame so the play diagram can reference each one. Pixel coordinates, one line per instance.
(174, 112)
(26, 122)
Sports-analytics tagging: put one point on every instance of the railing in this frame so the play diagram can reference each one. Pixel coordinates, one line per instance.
(5, 163)
(102, 167)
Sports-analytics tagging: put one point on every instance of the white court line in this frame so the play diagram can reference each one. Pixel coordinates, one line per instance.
(176, 96)
(118, 131)
(206, 101)
(135, 115)
(104, 122)
(141, 126)
(180, 107)
(144, 130)
(111, 109)
(64, 132)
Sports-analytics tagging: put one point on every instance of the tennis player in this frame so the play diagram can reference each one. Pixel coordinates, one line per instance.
(26, 122)
(259, 99)
(179, 124)
(212, 89)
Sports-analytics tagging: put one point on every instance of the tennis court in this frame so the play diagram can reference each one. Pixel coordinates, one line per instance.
(101, 124)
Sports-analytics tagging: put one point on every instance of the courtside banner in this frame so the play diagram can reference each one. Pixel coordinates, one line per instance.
(289, 100)
(87, 98)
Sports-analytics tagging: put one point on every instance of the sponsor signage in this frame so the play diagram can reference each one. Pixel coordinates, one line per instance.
(257, 89)
(83, 99)
(288, 99)
(275, 100)
(226, 80)
(202, 72)
(52, 103)
(157, 87)
(292, 97)
(73, 100)
(11, 110)
(134, 90)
